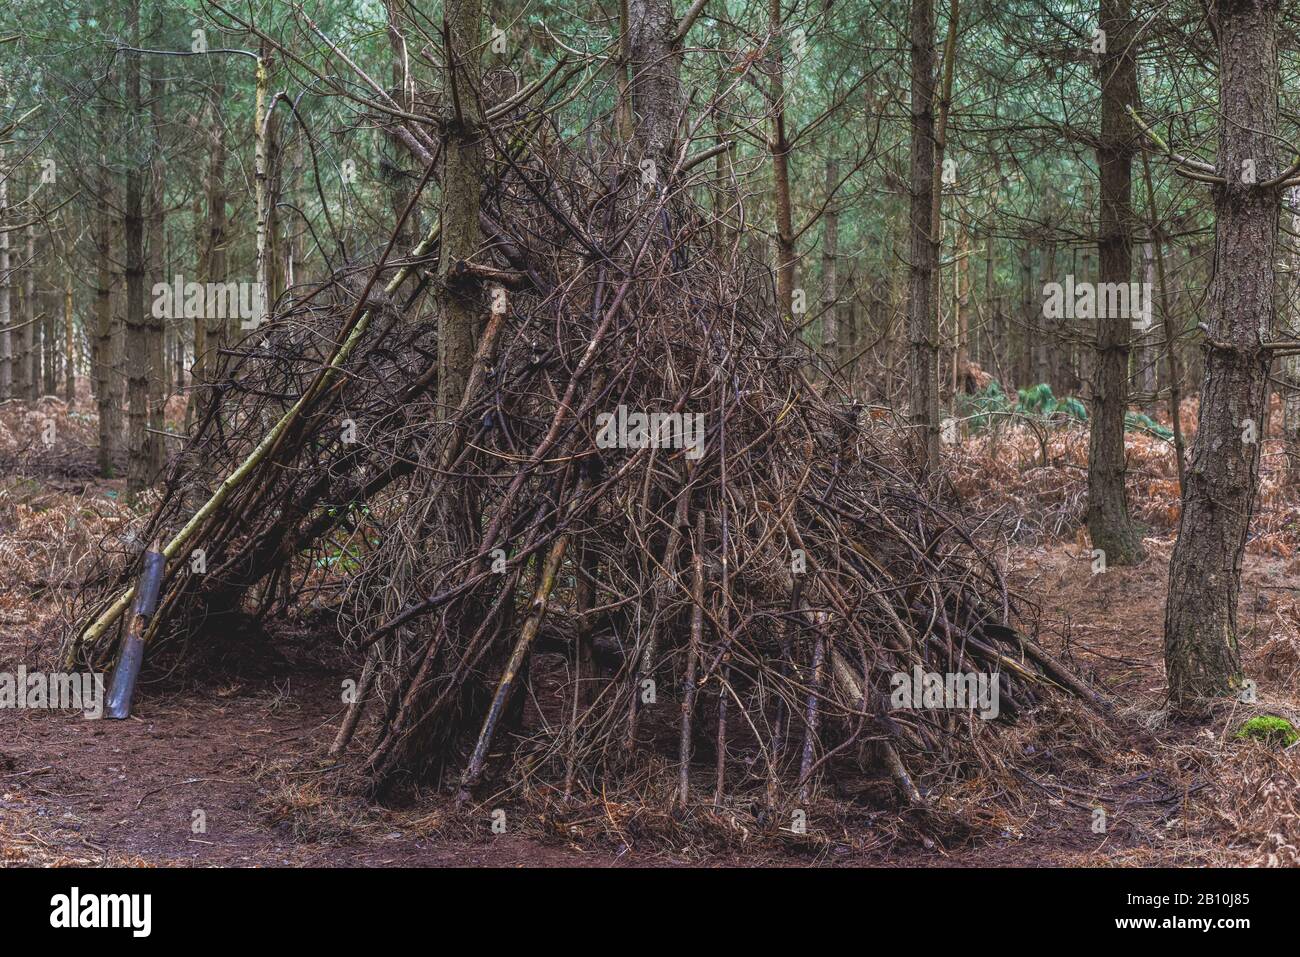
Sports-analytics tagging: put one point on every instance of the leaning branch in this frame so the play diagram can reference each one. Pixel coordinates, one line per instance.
(114, 611)
(1184, 165)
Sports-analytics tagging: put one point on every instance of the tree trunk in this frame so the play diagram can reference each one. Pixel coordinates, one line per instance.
(943, 107)
(264, 259)
(210, 330)
(779, 147)
(137, 332)
(31, 359)
(404, 94)
(1201, 654)
(6, 335)
(1109, 525)
(1025, 354)
(25, 384)
(655, 88)
(49, 354)
(1148, 348)
(462, 314)
(830, 277)
(961, 310)
(1174, 372)
(924, 367)
(69, 344)
(107, 394)
(1291, 364)
(156, 325)
(460, 322)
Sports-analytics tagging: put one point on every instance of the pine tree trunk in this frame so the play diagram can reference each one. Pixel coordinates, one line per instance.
(156, 325)
(398, 171)
(1291, 364)
(209, 330)
(830, 271)
(6, 335)
(922, 334)
(1109, 525)
(961, 310)
(1025, 354)
(462, 187)
(461, 311)
(1201, 654)
(49, 353)
(779, 146)
(107, 394)
(69, 344)
(35, 328)
(1043, 330)
(264, 261)
(655, 88)
(137, 332)
(943, 108)
(23, 361)
(1148, 349)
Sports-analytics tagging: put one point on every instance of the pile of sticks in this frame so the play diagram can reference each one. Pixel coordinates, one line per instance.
(737, 600)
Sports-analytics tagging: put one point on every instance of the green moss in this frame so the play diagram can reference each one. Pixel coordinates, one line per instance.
(1270, 729)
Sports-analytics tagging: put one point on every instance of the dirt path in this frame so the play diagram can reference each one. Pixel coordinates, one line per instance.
(136, 792)
(243, 760)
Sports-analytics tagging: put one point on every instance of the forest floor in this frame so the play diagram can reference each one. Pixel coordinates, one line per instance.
(242, 754)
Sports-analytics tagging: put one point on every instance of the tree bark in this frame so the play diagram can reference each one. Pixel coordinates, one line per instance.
(398, 172)
(1174, 372)
(265, 261)
(31, 355)
(460, 324)
(943, 108)
(137, 333)
(961, 310)
(655, 88)
(107, 394)
(1109, 525)
(830, 270)
(1201, 653)
(779, 146)
(210, 331)
(1291, 364)
(155, 442)
(69, 344)
(1148, 348)
(6, 335)
(461, 317)
(923, 336)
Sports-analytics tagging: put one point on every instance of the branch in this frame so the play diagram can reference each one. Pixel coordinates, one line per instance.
(1285, 178)
(1191, 168)
(699, 158)
(688, 20)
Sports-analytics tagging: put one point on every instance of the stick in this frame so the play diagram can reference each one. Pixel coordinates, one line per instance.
(645, 667)
(353, 716)
(849, 685)
(810, 720)
(720, 787)
(541, 598)
(97, 628)
(692, 660)
(122, 689)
